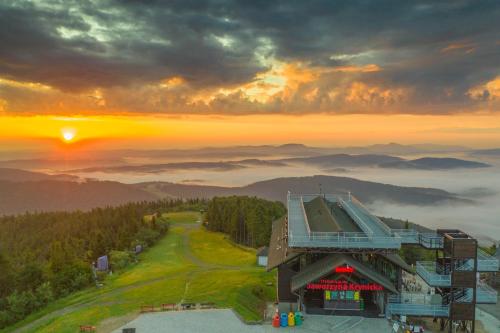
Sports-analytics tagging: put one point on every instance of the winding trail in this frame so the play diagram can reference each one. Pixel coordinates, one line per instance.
(200, 266)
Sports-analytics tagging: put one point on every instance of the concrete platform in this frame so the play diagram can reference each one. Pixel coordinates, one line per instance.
(225, 321)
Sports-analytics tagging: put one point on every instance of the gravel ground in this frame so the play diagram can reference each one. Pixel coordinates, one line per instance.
(225, 321)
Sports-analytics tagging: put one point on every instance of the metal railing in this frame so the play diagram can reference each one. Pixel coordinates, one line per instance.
(296, 216)
(458, 296)
(433, 274)
(357, 218)
(310, 196)
(467, 265)
(486, 263)
(410, 298)
(485, 293)
(305, 215)
(426, 239)
(409, 309)
(372, 217)
(407, 235)
(430, 240)
(415, 305)
(304, 237)
(465, 297)
(341, 240)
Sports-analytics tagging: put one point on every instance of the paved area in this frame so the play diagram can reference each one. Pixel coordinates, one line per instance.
(492, 309)
(225, 321)
(491, 324)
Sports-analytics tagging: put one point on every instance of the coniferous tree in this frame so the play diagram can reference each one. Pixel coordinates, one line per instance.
(247, 220)
(50, 253)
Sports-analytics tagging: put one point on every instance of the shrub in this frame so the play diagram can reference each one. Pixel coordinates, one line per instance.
(147, 236)
(72, 277)
(120, 259)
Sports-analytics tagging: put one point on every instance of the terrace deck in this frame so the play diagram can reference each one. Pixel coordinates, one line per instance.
(330, 221)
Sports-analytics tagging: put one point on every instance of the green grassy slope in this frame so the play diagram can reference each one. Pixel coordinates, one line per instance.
(189, 265)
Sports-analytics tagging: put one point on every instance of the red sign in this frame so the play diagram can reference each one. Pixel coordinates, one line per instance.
(337, 285)
(344, 269)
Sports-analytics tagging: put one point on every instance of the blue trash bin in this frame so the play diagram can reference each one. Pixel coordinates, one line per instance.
(284, 320)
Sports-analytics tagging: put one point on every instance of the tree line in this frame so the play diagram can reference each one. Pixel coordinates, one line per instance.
(45, 256)
(247, 220)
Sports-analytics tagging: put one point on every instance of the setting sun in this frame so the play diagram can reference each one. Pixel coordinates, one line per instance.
(68, 135)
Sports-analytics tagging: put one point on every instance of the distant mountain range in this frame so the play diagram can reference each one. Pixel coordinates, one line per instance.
(433, 163)
(345, 160)
(290, 149)
(486, 152)
(325, 162)
(40, 192)
(161, 167)
(156, 168)
(386, 161)
(91, 158)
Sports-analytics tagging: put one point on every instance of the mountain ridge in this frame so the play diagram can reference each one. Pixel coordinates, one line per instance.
(276, 189)
(55, 195)
(323, 161)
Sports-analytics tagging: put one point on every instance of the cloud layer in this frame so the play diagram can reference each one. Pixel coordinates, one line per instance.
(244, 57)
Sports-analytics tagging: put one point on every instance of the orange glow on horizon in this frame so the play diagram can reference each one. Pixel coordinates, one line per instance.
(162, 132)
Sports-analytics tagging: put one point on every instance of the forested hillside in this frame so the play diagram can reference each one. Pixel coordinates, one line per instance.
(56, 195)
(45, 256)
(247, 220)
(42, 193)
(276, 189)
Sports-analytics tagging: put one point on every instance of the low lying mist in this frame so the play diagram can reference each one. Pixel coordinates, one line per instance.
(482, 185)
(481, 219)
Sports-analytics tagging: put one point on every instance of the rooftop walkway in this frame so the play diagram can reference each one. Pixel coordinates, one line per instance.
(318, 221)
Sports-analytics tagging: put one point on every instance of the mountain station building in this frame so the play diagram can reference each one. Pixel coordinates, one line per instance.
(334, 257)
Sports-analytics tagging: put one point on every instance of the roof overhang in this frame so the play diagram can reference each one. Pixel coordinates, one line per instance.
(279, 253)
(325, 267)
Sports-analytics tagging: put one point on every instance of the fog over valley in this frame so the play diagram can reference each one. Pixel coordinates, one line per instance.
(468, 174)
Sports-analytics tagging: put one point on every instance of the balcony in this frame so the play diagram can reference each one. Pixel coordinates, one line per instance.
(408, 236)
(428, 240)
(486, 294)
(432, 273)
(415, 305)
(344, 240)
(486, 263)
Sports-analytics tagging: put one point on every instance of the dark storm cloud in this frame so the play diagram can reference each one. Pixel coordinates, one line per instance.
(115, 44)
(409, 37)
(438, 50)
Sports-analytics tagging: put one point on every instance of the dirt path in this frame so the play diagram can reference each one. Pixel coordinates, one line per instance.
(110, 324)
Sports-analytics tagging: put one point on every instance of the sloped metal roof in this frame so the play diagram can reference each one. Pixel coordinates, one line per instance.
(319, 217)
(279, 252)
(325, 216)
(397, 260)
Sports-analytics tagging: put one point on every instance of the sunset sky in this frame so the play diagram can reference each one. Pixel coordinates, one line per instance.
(197, 73)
